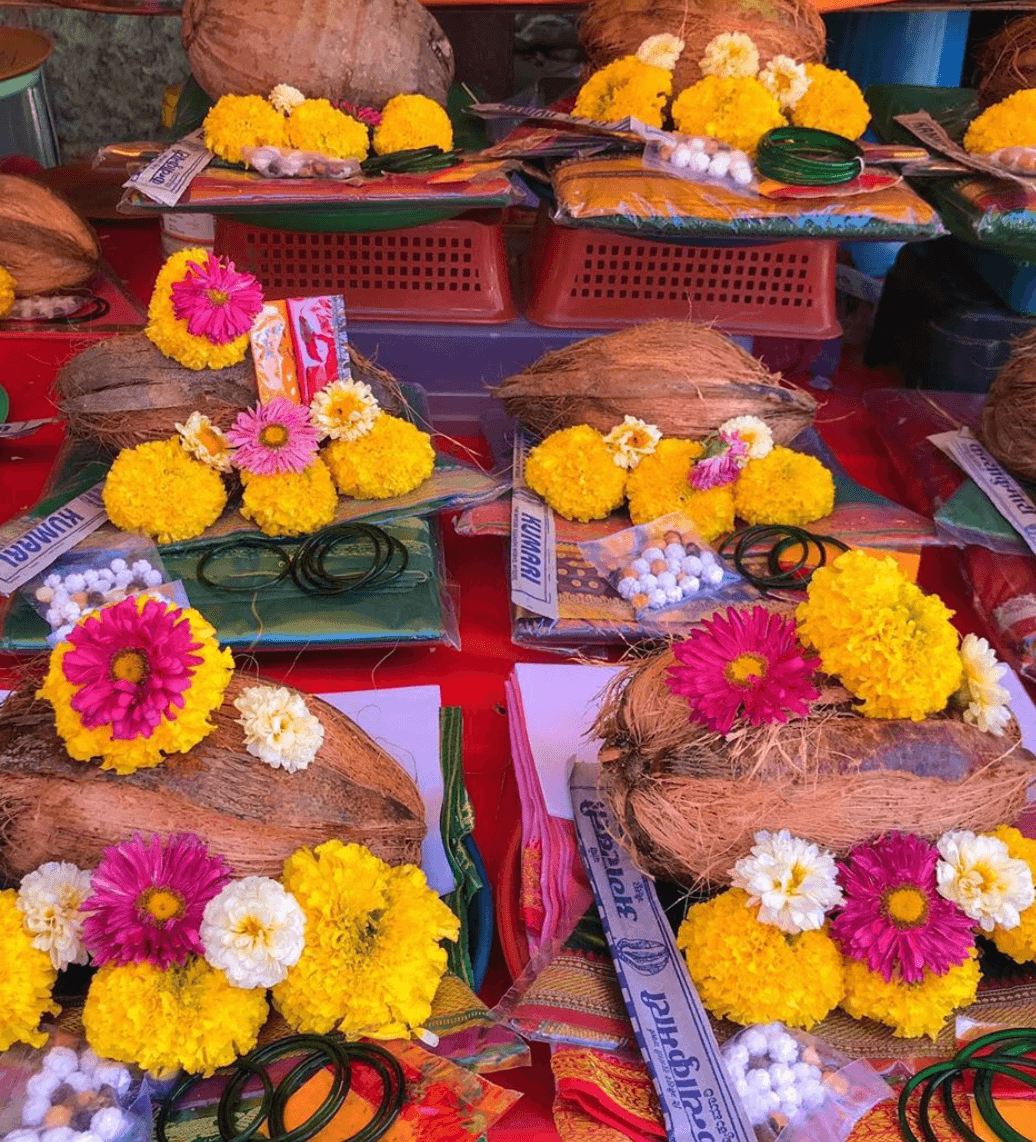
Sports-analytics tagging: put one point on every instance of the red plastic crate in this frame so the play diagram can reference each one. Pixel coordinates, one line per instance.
(589, 279)
(452, 271)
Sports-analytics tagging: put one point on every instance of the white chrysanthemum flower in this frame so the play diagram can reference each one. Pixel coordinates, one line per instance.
(982, 878)
(344, 410)
(754, 432)
(731, 55)
(661, 51)
(631, 441)
(286, 98)
(253, 931)
(785, 80)
(795, 883)
(50, 898)
(984, 700)
(279, 729)
(205, 442)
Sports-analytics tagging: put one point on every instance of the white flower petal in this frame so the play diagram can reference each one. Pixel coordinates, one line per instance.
(794, 881)
(253, 931)
(279, 729)
(49, 899)
(979, 875)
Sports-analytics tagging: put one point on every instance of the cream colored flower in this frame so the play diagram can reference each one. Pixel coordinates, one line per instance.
(754, 432)
(50, 898)
(253, 931)
(286, 98)
(205, 442)
(661, 51)
(982, 878)
(279, 729)
(794, 882)
(984, 700)
(730, 55)
(631, 441)
(344, 410)
(785, 80)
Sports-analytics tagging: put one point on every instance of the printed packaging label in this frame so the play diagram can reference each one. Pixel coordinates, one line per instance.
(300, 346)
(165, 179)
(534, 560)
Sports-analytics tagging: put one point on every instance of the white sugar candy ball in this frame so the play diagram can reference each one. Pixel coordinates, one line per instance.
(656, 599)
(58, 1134)
(42, 1085)
(742, 1089)
(647, 583)
(758, 1079)
(34, 1110)
(52, 581)
(82, 1080)
(54, 618)
(741, 173)
(783, 1048)
(738, 1056)
(755, 1109)
(627, 588)
(805, 1072)
(720, 165)
(674, 565)
(674, 551)
(791, 1100)
(690, 586)
(140, 567)
(651, 554)
(113, 1075)
(61, 1061)
(681, 156)
(813, 1095)
(673, 594)
(118, 565)
(771, 1100)
(692, 565)
(74, 582)
(697, 143)
(699, 162)
(754, 1042)
(641, 566)
(713, 575)
(666, 580)
(780, 1074)
(109, 1123)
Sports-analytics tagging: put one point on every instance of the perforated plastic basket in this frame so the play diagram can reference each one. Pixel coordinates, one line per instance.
(597, 279)
(443, 272)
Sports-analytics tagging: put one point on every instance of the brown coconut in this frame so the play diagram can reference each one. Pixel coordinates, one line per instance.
(690, 801)
(122, 391)
(684, 378)
(44, 244)
(363, 51)
(1006, 62)
(1008, 423)
(54, 808)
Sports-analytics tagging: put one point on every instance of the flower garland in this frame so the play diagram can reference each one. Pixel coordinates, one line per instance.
(411, 122)
(392, 459)
(316, 125)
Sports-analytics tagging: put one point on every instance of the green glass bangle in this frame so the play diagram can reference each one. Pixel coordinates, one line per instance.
(254, 542)
(187, 1084)
(801, 156)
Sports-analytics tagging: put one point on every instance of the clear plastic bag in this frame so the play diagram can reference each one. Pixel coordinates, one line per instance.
(275, 162)
(797, 1088)
(700, 159)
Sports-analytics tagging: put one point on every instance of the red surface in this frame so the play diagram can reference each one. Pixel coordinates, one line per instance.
(472, 678)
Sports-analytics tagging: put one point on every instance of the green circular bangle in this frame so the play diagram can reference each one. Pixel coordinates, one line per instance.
(801, 156)
(185, 1085)
(246, 542)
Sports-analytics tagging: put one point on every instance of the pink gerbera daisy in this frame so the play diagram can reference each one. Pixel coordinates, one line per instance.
(276, 437)
(722, 467)
(747, 662)
(132, 665)
(146, 902)
(893, 918)
(217, 302)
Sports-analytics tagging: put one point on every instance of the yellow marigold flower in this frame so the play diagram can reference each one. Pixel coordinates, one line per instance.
(7, 284)
(1019, 942)
(237, 121)
(753, 972)
(784, 487)
(730, 55)
(832, 102)
(625, 88)
(315, 125)
(159, 489)
(575, 472)
(737, 111)
(188, 1016)
(660, 484)
(410, 122)
(290, 503)
(891, 645)
(910, 1009)
(392, 459)
(372, 961)
(177, 735)
(1009, 123)
(26, 981)
(168, 333)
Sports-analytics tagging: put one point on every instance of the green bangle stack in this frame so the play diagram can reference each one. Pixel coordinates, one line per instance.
(801, 156)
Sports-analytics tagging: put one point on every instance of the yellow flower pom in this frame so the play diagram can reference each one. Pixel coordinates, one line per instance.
(191, 724)
(26, 981)
(660, 485)
(910, 1009)
(168, 333)
(372, 961)
(784, 487)
(832, 102)
(752, 972)
(625, 88)
(1009, 123)
(237, 121)
(891, 645)
(161, 490)
(576, 474)
(188, 1016)
(737, 111)
(392, 459)
(1019, 943)
(290, 503)
(410, 122)
(315, 125)
(7, 284)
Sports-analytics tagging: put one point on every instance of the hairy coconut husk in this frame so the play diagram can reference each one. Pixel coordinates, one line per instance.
(1006, 62)
(54, 808)
(610, 29)
(689, 801)
(122, 391)
(44, 244)
(1008, 424)
(684, 378)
